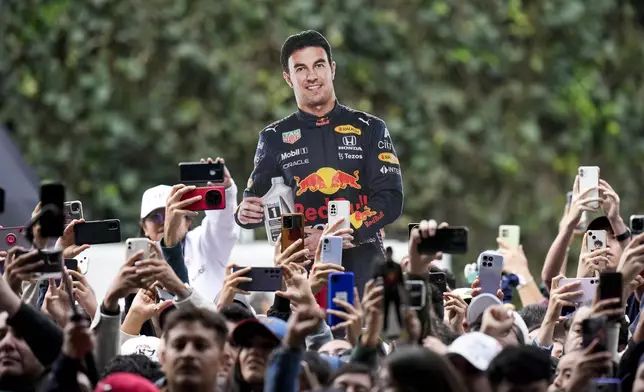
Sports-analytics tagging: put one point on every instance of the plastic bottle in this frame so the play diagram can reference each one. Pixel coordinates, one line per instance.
(277, 201)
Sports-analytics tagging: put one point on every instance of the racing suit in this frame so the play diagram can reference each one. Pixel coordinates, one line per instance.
(343, 155)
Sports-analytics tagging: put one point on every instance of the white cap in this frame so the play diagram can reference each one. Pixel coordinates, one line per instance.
(145, 345)
(479, 304)
(477, 348)
(522, 327)
(154, 198)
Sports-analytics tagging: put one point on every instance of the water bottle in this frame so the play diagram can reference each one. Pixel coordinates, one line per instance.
(277, 201)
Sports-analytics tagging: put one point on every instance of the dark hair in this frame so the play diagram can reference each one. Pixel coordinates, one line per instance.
(520, 365)
(136, 364)
(353, 368)
(411, 367)
(207, 318)
(235, 313)
(318, 366)
(533, 315)
(304, 39)
(442, 332)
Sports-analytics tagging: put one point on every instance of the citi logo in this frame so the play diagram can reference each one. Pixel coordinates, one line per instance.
(294, 153)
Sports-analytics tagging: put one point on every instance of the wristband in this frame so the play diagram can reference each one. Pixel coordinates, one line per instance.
(624, 236)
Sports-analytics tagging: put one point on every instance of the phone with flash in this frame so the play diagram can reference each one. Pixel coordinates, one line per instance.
(595, 240)
(339, 209)
(510, 234)
(589, 178)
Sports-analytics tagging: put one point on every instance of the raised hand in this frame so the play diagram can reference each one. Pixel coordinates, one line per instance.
(68, 243)
(175, 213)
(19, 269)
(352, 316)
(228, 179)
(455, 311)
(419, 265)
(231, 281)
(289, 255)
(83, 292)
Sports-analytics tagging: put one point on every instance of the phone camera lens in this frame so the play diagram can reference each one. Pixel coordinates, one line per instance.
(10, 239)
(326, 240)
(213, 198)
(75, 207)
(638, 224)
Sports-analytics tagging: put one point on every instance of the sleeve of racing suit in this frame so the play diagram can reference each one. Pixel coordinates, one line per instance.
(259, 182)
(384, 179)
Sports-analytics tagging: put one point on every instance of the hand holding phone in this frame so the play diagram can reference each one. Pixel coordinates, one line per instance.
(292, 231)
(339, 209)
(212, 198)
(262, 279)
(452, 240)
(490, 268)
(341, 286)
(595, 240)
(588, 182)
(97, 232)
(511, 235)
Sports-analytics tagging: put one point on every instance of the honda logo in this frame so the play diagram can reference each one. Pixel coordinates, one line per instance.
(349, 140)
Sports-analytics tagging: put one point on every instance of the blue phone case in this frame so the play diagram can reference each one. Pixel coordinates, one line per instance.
(340, 286)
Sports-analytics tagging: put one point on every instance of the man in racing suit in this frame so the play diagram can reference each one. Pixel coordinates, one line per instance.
(326, 151)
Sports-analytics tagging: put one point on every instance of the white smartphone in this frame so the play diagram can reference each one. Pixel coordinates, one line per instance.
(331, 249)
(83, 264)
(490, 267)
(595, 239)
(589, 178)
(134, 245)
(340, 209)
(510, 234)
(416, 293)
(588, 286)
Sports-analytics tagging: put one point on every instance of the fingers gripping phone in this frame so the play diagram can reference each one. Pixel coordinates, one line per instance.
(587, 285)
(263, 279)
(72, 210)
(339, 209)
(331, 249)
(98, 232)
(490, 267)
(589, 178)
(212, 198)
(135, 245)
(341, 287)
(452, 240)
(511, 235)
(196, 172)
(595, 240)
(292, 230)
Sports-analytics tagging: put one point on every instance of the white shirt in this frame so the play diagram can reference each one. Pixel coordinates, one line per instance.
(208, 248)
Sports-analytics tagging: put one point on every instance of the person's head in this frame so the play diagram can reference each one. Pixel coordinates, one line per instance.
(260, 302)
(257, 338)
(533, 315)
(353, 377)
(525, 368)
(308, 68)
(18, 364)
(125, 382)
(410, 368)
(573, 339)
(192, 347)
(152, 215)
(234, 314)
(317, 367)
(557, 348)
(335, 347)
(615, 252)
(134, 363)
(471, 355)
(564, 370)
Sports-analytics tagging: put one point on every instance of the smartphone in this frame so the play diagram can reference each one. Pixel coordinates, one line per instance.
(594, 328)
(595, 240)
(292, 230)
(72, 210)
(637, 224)
(587, 285)
(452, 240)
(134, 245)
(438, 278)
(510, 234)
(340, 209)
(263, 279)
(164, 295)
(83, 264)
(331, 249)
(52, 224)
(611, 286)
(490, 267)
(2, 197)
(341, 287)
(13, 236)
(98, 232)
(212, 198)
(197, 172)
(52, 267)
(72, 265)
(589, 178)
(416, 293)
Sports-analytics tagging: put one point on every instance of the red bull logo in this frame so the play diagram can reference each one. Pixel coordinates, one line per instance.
(327, 180)
(359, 217)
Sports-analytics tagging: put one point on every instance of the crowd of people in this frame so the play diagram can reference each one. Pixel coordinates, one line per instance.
(208, 337)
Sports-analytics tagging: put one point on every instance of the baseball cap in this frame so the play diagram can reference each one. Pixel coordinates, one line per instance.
(477, 348)
(479, 304)
(600, 223)
(125, 382)
(520, 324)
(144, 345)
(270, 327)
(154, 198)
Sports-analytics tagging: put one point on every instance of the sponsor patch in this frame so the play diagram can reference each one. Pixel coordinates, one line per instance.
(348, 129)
(388, 157)
(294, 153)
(291, 137)
(298, 162)
(390, 170)
(346, 155)
(322, 121)
(385, 145)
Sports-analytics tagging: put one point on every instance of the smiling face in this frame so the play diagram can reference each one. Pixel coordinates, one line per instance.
(310, 75)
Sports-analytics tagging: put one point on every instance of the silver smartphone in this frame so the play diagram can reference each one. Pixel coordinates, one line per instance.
(331, 249)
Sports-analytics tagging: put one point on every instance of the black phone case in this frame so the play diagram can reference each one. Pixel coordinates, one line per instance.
(439, 279)
(98, 232)
(594, 328)
(452, 240)
(195, 172)
(52, 223)
(264, 279)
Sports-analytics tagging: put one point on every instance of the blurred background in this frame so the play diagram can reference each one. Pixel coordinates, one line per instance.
(491, 104)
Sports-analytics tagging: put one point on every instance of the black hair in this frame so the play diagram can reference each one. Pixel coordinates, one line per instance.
(354, 368)
(136, 364)
(442, 332)
(533, 315)
(235, 313)
(520, 365)
(205, 317)
(318, 366)
(411, 367)
(304, 39)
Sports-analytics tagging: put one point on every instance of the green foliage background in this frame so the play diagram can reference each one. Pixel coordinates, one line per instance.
(492, 104)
